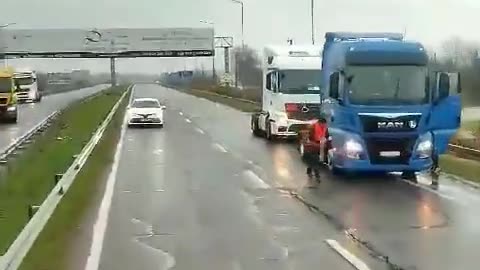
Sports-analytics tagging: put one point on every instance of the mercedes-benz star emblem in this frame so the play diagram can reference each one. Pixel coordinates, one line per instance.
(305, 109)
(93, 36)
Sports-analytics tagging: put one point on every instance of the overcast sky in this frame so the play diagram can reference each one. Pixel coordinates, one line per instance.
(266, 22)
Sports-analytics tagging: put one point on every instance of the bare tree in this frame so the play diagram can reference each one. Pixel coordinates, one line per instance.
(249, 68)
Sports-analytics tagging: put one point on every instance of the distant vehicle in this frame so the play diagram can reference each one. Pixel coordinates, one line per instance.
(145, 112)
(8, 98)
(27, 86)
(291, 88)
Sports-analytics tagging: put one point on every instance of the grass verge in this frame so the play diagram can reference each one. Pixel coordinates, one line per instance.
(30, 177)
(52, 249)
(233, 102)
(465, 168)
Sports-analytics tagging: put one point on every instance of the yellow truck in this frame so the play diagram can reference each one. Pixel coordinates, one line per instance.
(8, 97)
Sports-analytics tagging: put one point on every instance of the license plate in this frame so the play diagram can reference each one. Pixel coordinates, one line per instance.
(389, 153)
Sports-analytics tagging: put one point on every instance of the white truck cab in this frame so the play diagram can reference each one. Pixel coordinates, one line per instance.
(290, 90)
(26, 86)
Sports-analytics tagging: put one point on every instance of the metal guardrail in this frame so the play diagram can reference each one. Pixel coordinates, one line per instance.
(464, 151)
(14, 256)
(4, 153)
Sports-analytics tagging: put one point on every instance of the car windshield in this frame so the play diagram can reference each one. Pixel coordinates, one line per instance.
(5, 85)
(146, 104)
(387, 85)
(24, 80)
(300, 81)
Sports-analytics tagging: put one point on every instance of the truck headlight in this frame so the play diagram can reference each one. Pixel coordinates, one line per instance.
(282, 118)
(11, 108)
(425, 146)
(353, 149)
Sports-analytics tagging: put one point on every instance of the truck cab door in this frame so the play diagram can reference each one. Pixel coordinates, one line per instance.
(445, 116)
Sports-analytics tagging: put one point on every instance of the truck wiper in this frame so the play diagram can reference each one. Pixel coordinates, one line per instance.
(397, 90)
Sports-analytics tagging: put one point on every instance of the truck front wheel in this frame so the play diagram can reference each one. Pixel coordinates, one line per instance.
(254, 126)
(268, 132)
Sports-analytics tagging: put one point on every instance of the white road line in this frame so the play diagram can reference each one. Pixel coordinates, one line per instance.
(188, 120)
(200, 131)
(352, 259)
(220, 148)
(447, 197)
(254, 181)
(181, 113)
(101, 223)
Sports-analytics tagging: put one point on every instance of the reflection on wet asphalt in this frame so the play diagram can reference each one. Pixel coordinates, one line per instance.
(32, 114)
(206, 194)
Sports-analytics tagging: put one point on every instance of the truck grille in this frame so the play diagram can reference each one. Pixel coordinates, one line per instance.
(373, 123)
(376, 145)
(305, 111)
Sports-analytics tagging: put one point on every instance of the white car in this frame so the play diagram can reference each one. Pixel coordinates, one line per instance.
(145, 111)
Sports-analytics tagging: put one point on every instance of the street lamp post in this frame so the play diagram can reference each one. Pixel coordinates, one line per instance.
(2, 52)
(214, 74)
(237, 71)
(313, 23)
(241, 4)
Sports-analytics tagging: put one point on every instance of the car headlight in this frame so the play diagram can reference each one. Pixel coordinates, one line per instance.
(12, 108)
(353, 149)
(425, 146)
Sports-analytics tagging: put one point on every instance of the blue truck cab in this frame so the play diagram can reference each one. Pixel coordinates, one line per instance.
(387, 112)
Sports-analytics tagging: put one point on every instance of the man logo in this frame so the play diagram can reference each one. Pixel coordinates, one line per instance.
(412, 124)
(390, 125)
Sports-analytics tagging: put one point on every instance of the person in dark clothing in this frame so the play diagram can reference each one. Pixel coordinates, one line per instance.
(318, 135)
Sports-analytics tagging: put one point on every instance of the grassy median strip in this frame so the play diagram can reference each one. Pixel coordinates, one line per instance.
(30, 176)
(52, 249)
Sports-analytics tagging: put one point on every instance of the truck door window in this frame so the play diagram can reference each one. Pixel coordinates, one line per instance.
(268, 81)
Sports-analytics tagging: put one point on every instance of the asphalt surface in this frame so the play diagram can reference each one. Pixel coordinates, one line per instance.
(32, 114)
(203, 193)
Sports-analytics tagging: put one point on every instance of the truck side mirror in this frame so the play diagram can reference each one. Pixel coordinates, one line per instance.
(334, 85)
(443, 85)
(459, 83)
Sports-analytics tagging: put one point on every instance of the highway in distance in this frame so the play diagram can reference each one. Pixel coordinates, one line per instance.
(30, 114)
(203, 193)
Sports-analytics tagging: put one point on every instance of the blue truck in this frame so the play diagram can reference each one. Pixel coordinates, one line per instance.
(386, 110)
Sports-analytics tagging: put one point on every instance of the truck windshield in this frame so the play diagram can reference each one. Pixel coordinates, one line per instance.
(25, 80)
(387, 85)
(300, 81)
(5, 85)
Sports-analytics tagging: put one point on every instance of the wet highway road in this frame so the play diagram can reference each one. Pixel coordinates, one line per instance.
(203, 193)
(32, 114)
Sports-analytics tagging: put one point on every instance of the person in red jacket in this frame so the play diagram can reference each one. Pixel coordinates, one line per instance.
(318, 135)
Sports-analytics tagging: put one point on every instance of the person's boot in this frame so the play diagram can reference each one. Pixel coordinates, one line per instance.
(309, 172)
(317, 175)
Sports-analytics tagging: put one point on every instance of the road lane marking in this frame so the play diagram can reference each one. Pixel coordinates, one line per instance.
(440, 194)
(255, 181)
(181, 113)
(200, 131)
(100, 226)
(220, 148)
(188, 120)
(352, 259)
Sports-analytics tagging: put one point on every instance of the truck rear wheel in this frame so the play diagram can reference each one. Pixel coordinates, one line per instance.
(268, 132)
